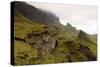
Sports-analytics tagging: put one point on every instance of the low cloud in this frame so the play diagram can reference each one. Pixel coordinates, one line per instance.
(81, 16)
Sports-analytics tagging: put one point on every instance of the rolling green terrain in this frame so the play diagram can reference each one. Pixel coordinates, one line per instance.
(39, 38)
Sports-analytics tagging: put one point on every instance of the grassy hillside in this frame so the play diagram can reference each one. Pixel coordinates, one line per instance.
(39, 43)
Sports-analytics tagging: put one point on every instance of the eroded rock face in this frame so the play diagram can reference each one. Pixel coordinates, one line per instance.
(79, 50)
(43, 41)
(87, 52)
(82, 35)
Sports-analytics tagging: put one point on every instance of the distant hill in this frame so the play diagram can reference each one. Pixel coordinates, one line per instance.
(94, 38)
(82, 35)
(70, 28)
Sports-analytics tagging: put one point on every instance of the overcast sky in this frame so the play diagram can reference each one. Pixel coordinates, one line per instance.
(81, 16)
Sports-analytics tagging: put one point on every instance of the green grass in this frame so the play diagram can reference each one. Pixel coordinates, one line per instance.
(48, 58)
(23, 53)
(91, 46)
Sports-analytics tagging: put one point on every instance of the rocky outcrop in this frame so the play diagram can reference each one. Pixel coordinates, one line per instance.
(70, 28)
(44, 41)
(82, 35)
(78, 49)
(87, 52)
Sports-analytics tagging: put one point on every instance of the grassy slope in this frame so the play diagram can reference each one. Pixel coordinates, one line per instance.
(24, 53)
(91, 46)
(94, 38)
(23, 26)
